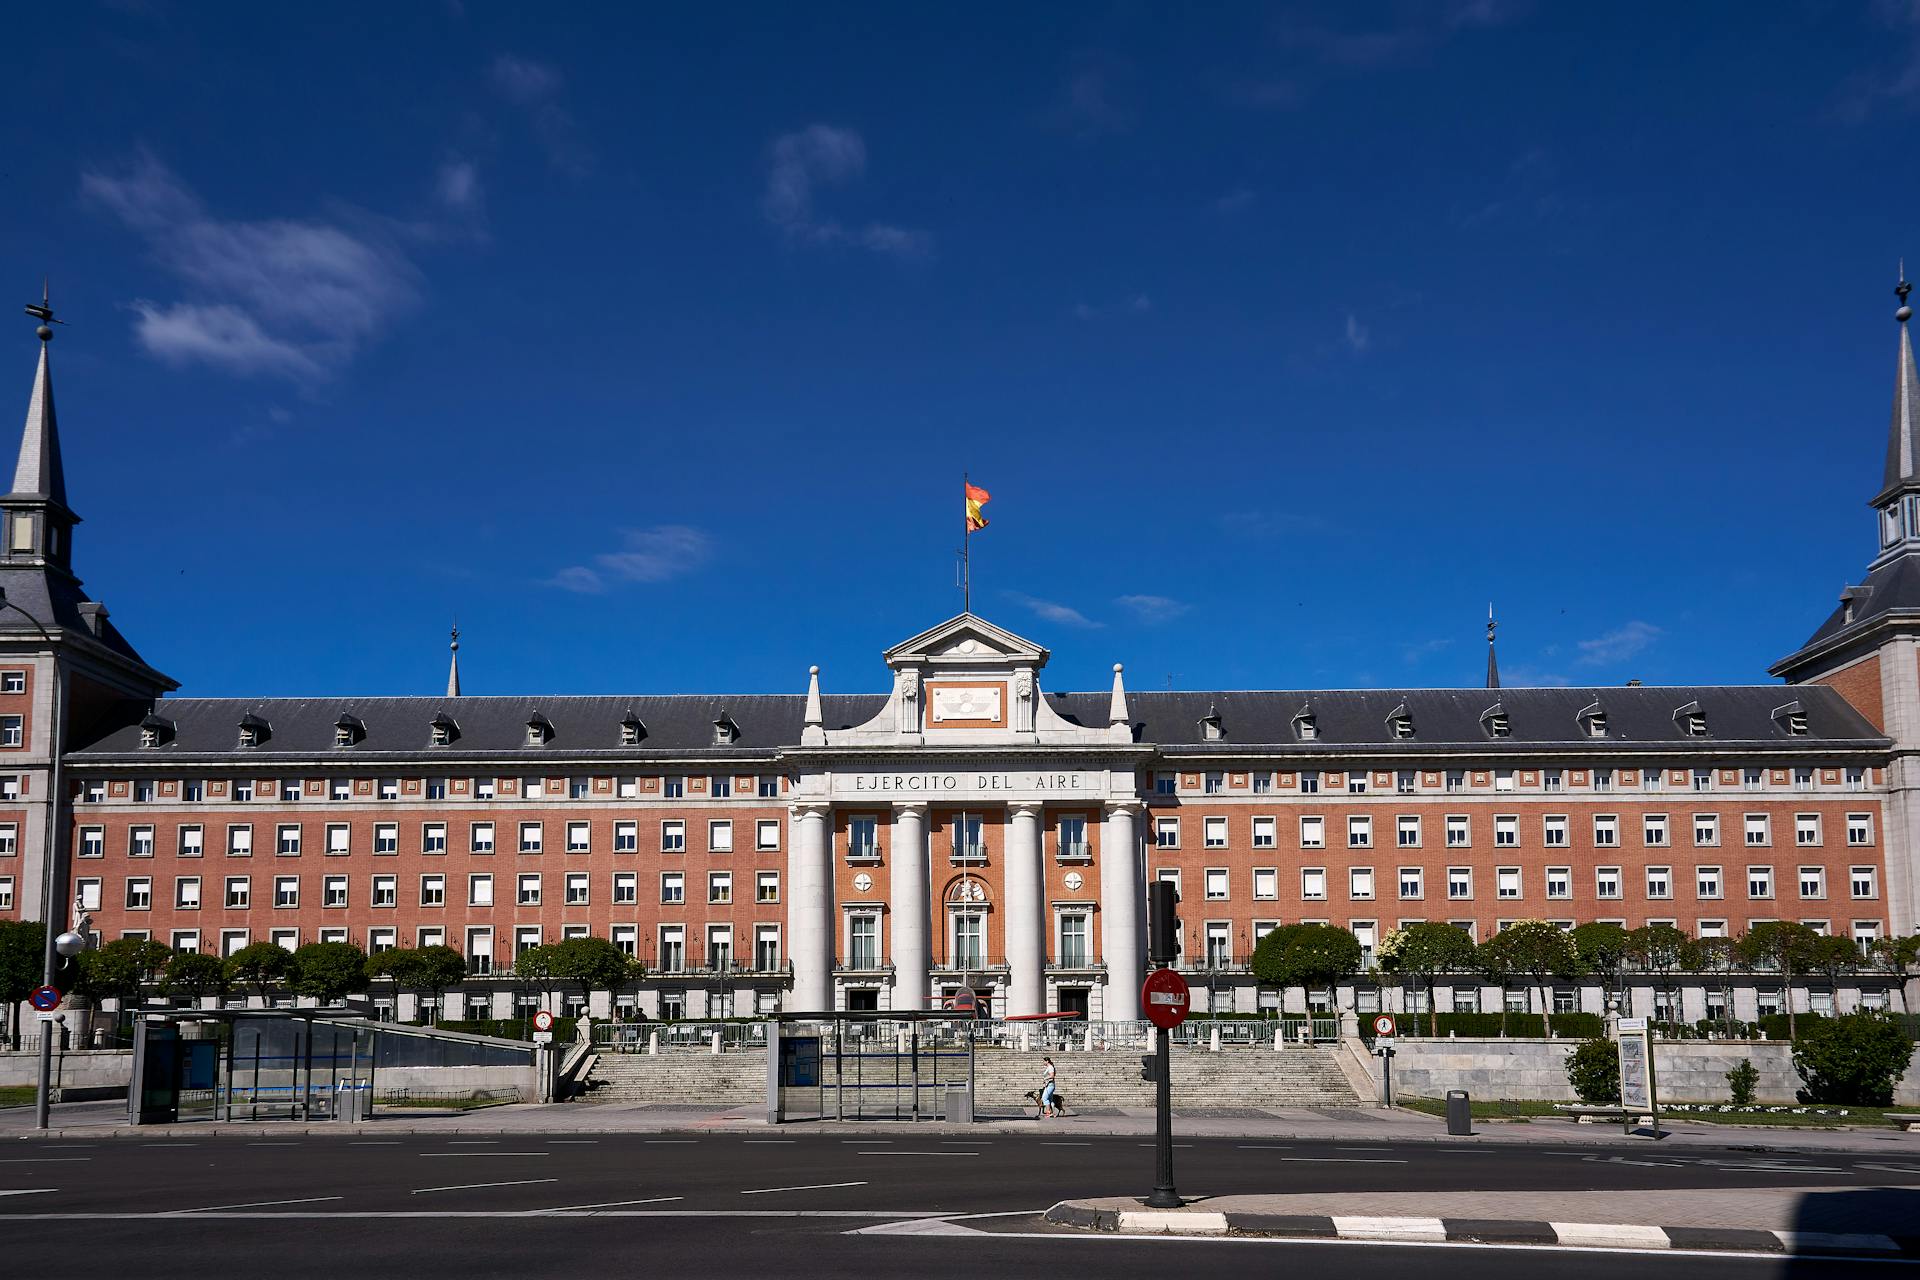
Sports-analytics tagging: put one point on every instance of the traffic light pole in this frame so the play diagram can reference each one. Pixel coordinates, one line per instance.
(1164, 1196)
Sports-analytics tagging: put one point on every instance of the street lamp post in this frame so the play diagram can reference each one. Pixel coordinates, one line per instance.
(52, 892)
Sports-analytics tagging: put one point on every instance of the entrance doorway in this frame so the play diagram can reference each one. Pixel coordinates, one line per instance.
(1074, 1000)
(865, 1000)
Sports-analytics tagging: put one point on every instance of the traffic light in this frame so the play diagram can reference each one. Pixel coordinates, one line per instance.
(1150, 1068)
(1163, 928)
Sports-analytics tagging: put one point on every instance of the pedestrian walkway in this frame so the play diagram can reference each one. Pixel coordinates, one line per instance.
(100, 1119)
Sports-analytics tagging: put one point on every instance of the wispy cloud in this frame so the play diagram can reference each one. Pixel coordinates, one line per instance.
(291, 297)
(1896, 79)
(1137, 305)
(1090, 102)
(536, 88)
(1053, 611)
(1238, 200)
(1358, 337)
(457, 186)
(645, 555)
(799, 165)
(1419, 650)
(1617, 645)
(1525, 677)
(1153, 609)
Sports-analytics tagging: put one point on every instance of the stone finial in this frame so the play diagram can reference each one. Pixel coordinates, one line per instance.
(813, 731)
(1119, 721)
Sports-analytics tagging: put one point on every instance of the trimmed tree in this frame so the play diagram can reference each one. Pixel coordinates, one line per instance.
(260, 968)
(393, 965)
(329, 971)
(1660, 951)
(22, 956)
(534, 972)
(1536, 950)
(1897, 958)
(431, 970)
(121, 970)
(594, 963)
(1715, 956)
(1852, 1060)
(1422, 952)
(1784, 946)
(1602, 952)
(1306, 956)
(194, 975)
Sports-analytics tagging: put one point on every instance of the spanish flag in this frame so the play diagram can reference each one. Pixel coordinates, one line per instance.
(976, 499)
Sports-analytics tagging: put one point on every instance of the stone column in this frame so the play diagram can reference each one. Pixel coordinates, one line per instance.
(907, 906)
(1900, 839)
(1121, 922)
(810, 918)
(1025, 923)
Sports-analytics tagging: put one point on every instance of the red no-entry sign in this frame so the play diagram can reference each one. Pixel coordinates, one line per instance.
(1164, 999)
(543, 1021)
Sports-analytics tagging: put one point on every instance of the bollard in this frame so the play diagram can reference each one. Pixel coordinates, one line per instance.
(1213, 1042)
(653, 1043)
(1089, 1045)
(716, 1042)
(1278, 1039)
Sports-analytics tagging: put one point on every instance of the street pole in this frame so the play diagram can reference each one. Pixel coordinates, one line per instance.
(1164, 1196)
(52, 885)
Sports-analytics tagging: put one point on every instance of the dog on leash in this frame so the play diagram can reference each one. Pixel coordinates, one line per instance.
(1059, 1102)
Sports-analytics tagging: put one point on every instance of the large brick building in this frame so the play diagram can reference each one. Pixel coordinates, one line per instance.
(876, 850)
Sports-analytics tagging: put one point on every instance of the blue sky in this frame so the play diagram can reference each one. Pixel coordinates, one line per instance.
(652, 343)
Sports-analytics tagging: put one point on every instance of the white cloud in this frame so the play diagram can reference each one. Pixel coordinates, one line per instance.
(1138, 305)
(1089, 103)
(1235, 201)
(536, 87)
(285, 296)
(1358, 336)
(1617, 645)
(523, 80)
(1413, 653)
(1524, 677)
(800, 164)
(457, 185)
(645, 555)
(1053, 611)
(1152, 609)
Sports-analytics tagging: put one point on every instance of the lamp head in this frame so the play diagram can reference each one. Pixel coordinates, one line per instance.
(70, 944)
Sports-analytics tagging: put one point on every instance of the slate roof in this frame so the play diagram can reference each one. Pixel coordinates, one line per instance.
(55, 599)
(1903, 433)
(683, 724)
(1891, 589)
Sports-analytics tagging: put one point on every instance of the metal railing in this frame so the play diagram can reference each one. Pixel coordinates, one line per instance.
(1059, 1034)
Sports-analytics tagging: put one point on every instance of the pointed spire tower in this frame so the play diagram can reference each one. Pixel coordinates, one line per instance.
(453, 669)
(1493, 664)
(38, 522)
(1898, 501)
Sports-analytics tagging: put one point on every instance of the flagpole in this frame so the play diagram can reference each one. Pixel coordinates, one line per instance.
(966, 551)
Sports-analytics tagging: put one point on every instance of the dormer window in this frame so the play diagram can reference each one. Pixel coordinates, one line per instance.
(348, 730)
(632, 730)
(155, 731)
(1791, 719)
(1305, 726)
(725, 731)
(254, 730)
(1212, 728)
(1494, 721)
(1692, 720)
(1400, 722)
(1593, 720)
(442, 730)
(539, 730)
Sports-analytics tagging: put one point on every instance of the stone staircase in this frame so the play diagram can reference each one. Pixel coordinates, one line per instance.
(1297, 1076)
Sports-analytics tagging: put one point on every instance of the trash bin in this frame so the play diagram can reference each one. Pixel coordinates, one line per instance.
(1459, 1113)
(957, 1106)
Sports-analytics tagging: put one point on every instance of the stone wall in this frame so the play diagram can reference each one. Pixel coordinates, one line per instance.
(1689, 1070)
(77, 1074)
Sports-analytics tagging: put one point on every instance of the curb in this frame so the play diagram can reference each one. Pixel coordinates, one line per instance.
(1587, 1235)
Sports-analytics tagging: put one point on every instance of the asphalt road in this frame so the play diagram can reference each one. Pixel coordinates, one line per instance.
(734, 1204)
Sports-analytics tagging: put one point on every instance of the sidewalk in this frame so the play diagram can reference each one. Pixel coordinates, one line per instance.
(108, 1119)
(1801, 1220)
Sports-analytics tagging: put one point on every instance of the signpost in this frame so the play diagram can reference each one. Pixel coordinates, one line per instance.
(1638, 1088)
(1165, 999)
(1383, 1028)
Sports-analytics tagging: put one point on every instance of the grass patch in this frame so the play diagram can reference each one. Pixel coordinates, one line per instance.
(1490, 1110)
(16, 1095)
(1856, 1117)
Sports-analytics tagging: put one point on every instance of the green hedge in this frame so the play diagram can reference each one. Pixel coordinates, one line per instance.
(1477, 1026)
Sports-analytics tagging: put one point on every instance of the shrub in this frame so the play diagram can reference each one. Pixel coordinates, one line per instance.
(1853, 1060)
(1740, 1083)
(1593, 1070)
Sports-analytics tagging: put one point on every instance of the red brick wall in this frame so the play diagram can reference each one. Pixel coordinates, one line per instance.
(1859, 684)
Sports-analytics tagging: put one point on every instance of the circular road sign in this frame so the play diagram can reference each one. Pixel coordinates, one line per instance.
(1383, 1025)
(1164, 999)
(543, 1021)
(45, 999)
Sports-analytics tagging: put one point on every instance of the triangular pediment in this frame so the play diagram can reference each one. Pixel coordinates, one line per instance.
(965, 640)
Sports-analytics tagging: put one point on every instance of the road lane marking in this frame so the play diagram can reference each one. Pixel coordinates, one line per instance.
(1247, 1146)
(671, 1142)
(448, 1155)
(258, 1204)
(47, 1160)
(1066, 1144)
(521, 1215)
(1363, 1148)
(1337, 1160)
(966, 1142)
(866, 1142)
(475, 1186)
(814, 1186)
(1150, 1144)
(384, 1142)
(770, 1142)
(951, 1155)
(573, 1142)
(473, 1142)
(273, 1144)
(28, 1191)
(611, 1204)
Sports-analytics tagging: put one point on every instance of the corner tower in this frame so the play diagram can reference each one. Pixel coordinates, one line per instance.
(1868, 649)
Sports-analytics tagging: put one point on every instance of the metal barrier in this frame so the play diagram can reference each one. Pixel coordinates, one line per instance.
(1050, 1036)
